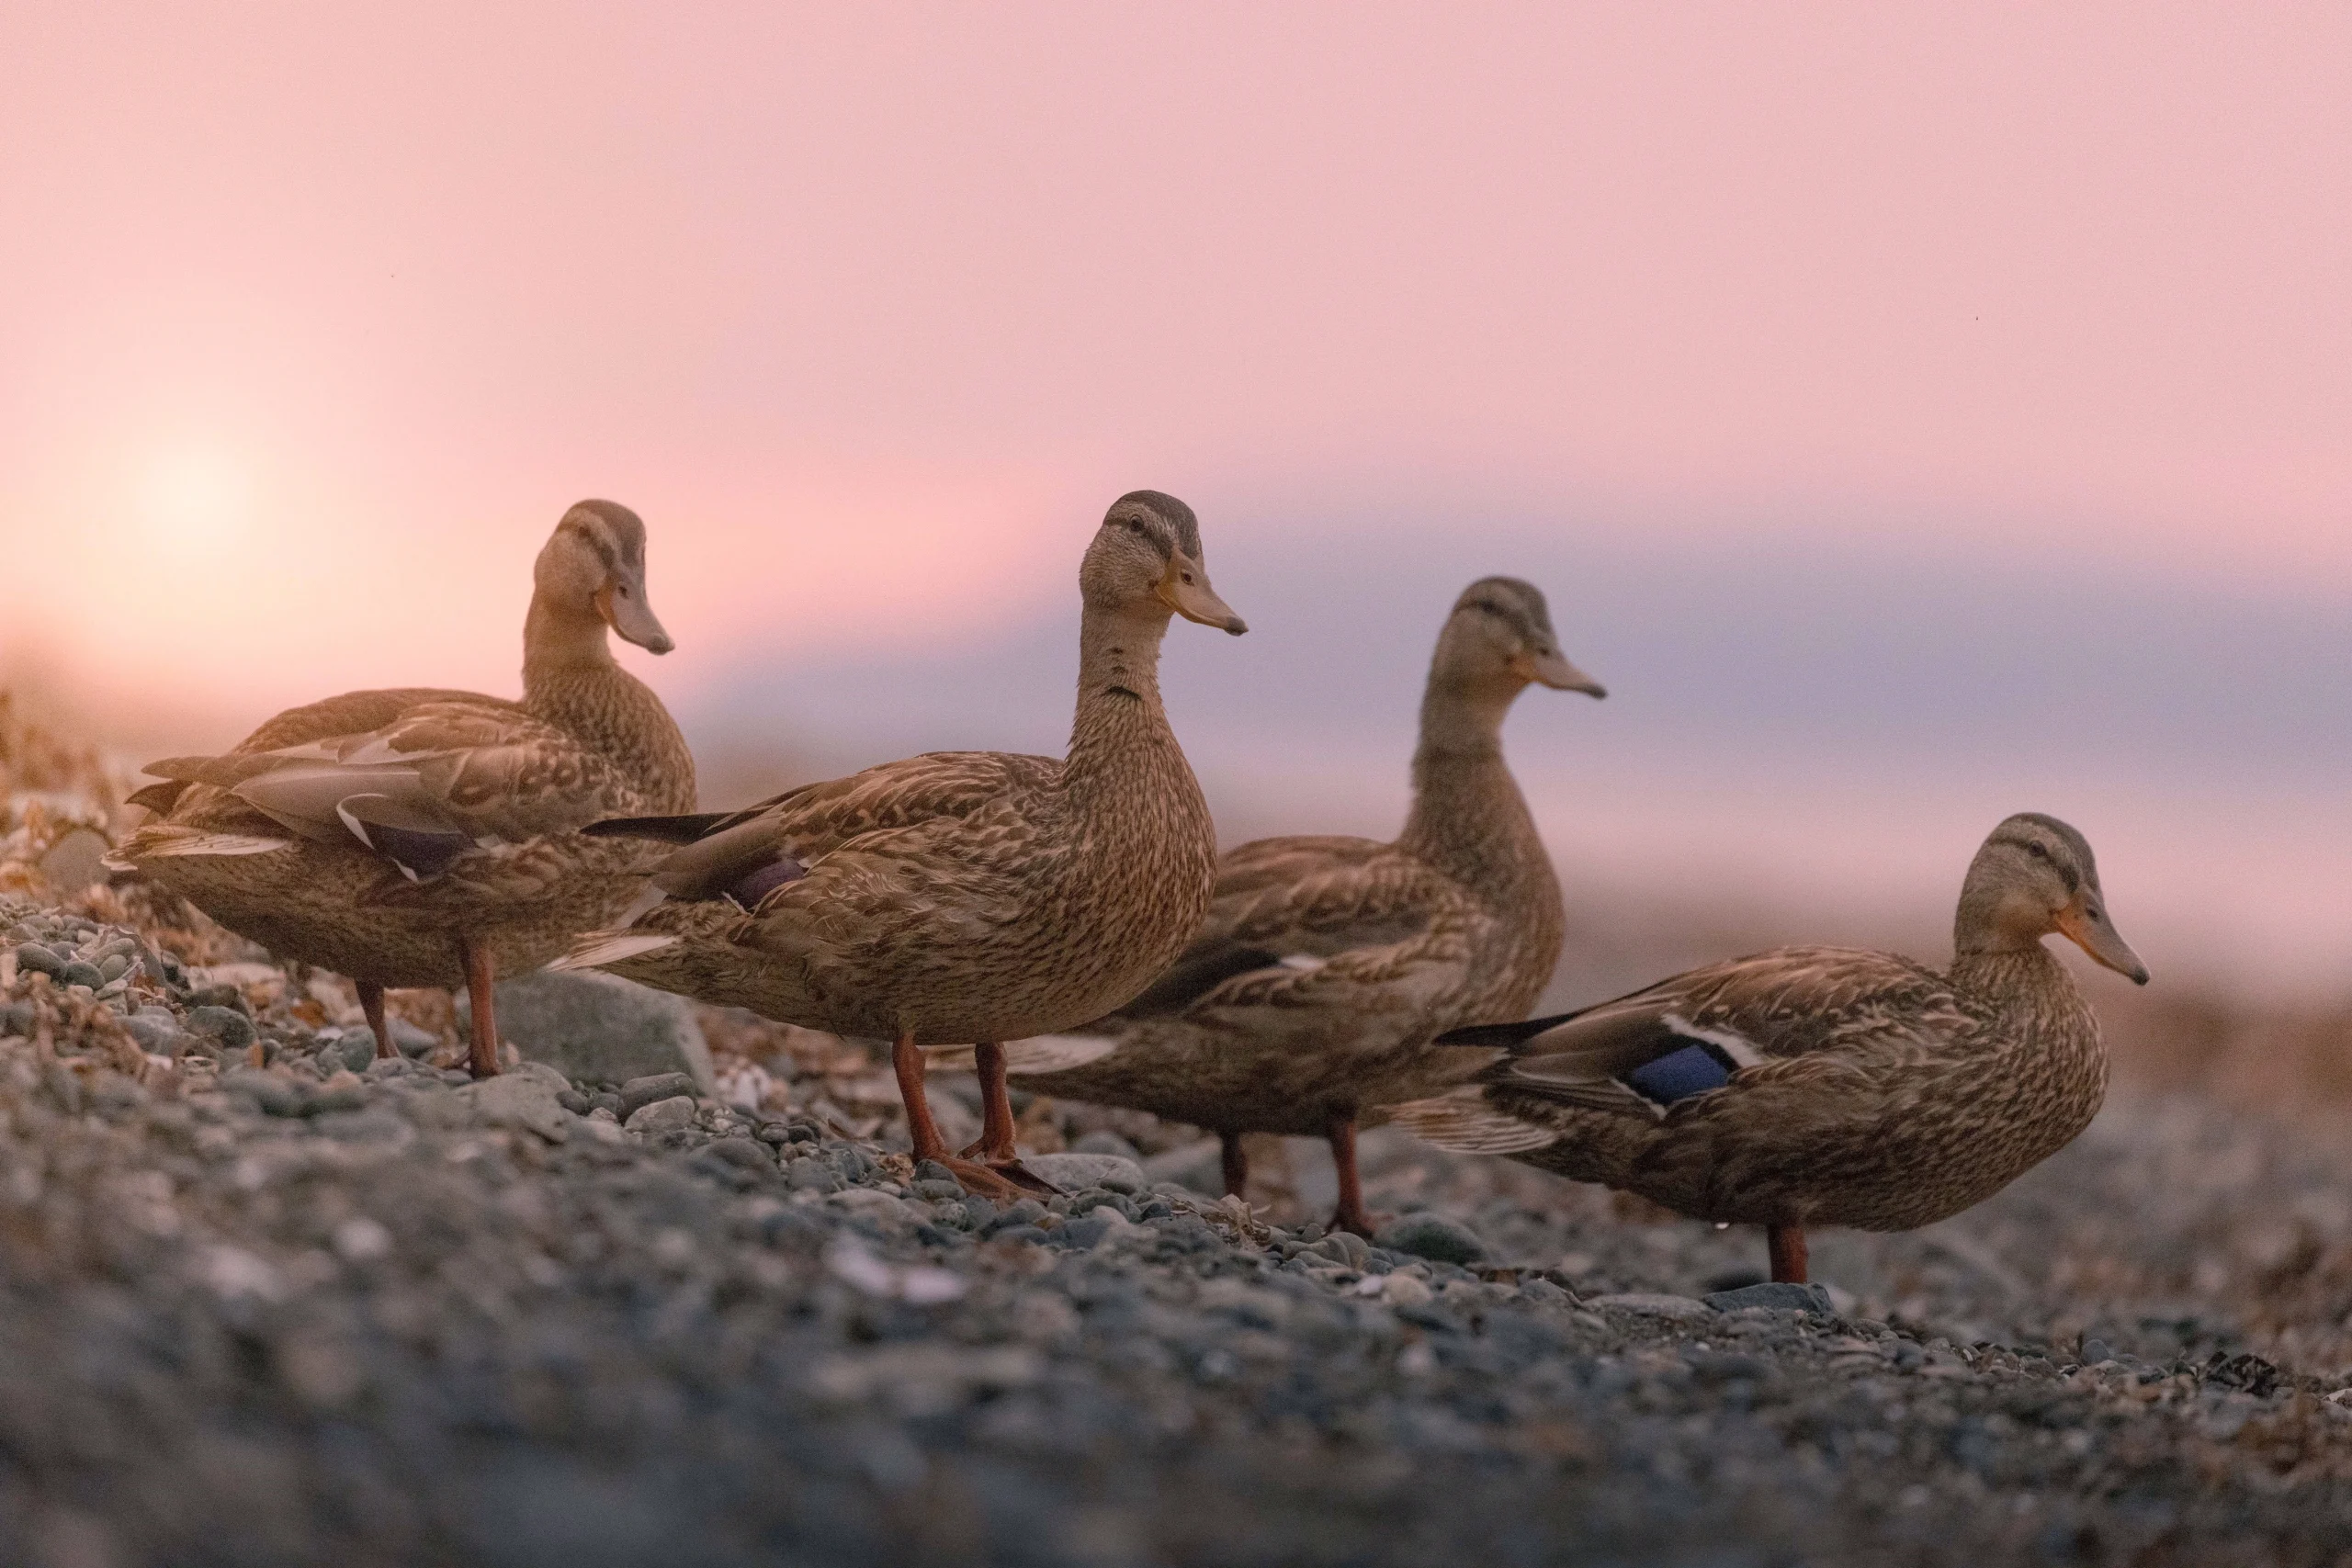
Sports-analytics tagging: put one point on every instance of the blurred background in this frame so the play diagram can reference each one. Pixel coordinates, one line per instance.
(1914, 414)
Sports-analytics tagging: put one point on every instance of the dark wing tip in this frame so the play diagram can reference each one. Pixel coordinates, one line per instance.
(667, 829)
(424, 855)
(158, 798)
(1502, 1035)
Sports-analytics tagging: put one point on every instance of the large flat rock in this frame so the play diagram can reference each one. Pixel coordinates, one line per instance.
(602, 1029)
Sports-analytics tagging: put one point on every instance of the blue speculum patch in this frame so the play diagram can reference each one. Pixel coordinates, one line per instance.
(766, 880)
(1679, 1074)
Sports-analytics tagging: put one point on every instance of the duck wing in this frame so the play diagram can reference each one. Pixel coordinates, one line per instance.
(1790, 1015)
(440, 777)
(1295, 917)
(751, 854)
(351, 714)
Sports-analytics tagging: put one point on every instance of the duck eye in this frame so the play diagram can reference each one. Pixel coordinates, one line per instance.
(1188, 577)
(2037, 851)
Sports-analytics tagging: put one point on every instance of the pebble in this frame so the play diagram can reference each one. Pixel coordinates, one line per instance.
(1651, 1303)
(1115, 1173)
(596, 1027)
(233, 1029)
(265, 1090)
(1432, 1237)
(32, 957)
(354, 1049)
(1404, 1290)
(1777, 1296)
(663, 1115)
(637, 1093)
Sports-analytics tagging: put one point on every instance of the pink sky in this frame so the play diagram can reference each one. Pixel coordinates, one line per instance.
(316, 316)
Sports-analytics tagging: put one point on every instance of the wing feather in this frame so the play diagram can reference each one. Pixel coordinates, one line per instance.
(1292, 916)
(440, 773)
(1764, 1014)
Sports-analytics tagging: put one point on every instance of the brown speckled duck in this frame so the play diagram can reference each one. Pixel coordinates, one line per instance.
(430, 838)
(964, 898)
(1329, 963)
(1821, 1086)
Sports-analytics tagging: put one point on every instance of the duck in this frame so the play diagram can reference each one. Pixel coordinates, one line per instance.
(962, 899)
(1821, 1085)
(420, 837)
(1329, 965)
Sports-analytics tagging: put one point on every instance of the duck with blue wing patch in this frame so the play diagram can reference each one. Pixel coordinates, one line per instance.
(1813, 1086)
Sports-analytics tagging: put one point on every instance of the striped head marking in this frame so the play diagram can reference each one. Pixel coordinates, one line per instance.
(596, 559)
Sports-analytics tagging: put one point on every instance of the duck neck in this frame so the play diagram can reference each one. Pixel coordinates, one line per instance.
(572, 680)
(1468, 816)
(2017, 978)
(1119, 711)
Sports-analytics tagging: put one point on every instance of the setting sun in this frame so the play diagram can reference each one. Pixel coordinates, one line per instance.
(193, 497)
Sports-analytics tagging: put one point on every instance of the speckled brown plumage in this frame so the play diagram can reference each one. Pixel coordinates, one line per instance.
(487, 795)
(964, 897)
(1846, 1087)
(1328, 964)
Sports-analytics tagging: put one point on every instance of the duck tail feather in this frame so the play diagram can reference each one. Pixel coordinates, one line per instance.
(598, 949)
(167, 846)
(1466, 1123)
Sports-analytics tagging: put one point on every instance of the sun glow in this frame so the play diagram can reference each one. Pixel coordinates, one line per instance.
(192, 498)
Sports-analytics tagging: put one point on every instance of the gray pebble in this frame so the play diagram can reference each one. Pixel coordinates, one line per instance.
(1115, 1172)
(1102, 1141)
(1085, 1232)
(159, 1036)
(266, 1091)
(412, 1041)
(637, 1093)
(1779, 1296)
(1026, 1211)
(1433, 1237)
(233, 1029)
(354, 1049)
(813, 1176)
(34, 958)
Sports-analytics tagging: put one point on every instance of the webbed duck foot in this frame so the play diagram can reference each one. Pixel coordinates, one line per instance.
(1006, 1164)
(1005, 1182)
(1359, 1223)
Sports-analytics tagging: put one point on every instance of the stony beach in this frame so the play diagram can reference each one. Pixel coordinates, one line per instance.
(325, 1308)
(266, 1299)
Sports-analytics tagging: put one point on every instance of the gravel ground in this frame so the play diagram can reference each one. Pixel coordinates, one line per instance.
(300, 1313)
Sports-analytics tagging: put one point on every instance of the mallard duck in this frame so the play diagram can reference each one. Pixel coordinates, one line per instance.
(963, 897)
(1329, 963)
(429, 837)
(1821, 1086)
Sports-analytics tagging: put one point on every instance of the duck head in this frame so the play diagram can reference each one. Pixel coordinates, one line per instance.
(1499, 641)
(1146, 556)
(592, 569)
(2036, 876)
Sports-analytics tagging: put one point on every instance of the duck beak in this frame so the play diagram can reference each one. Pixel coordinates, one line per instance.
(2085, 923)
(1185, 588)
(622, 603)
(1552, 669)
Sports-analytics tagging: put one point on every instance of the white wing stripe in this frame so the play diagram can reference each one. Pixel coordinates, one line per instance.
(1741, 1050)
